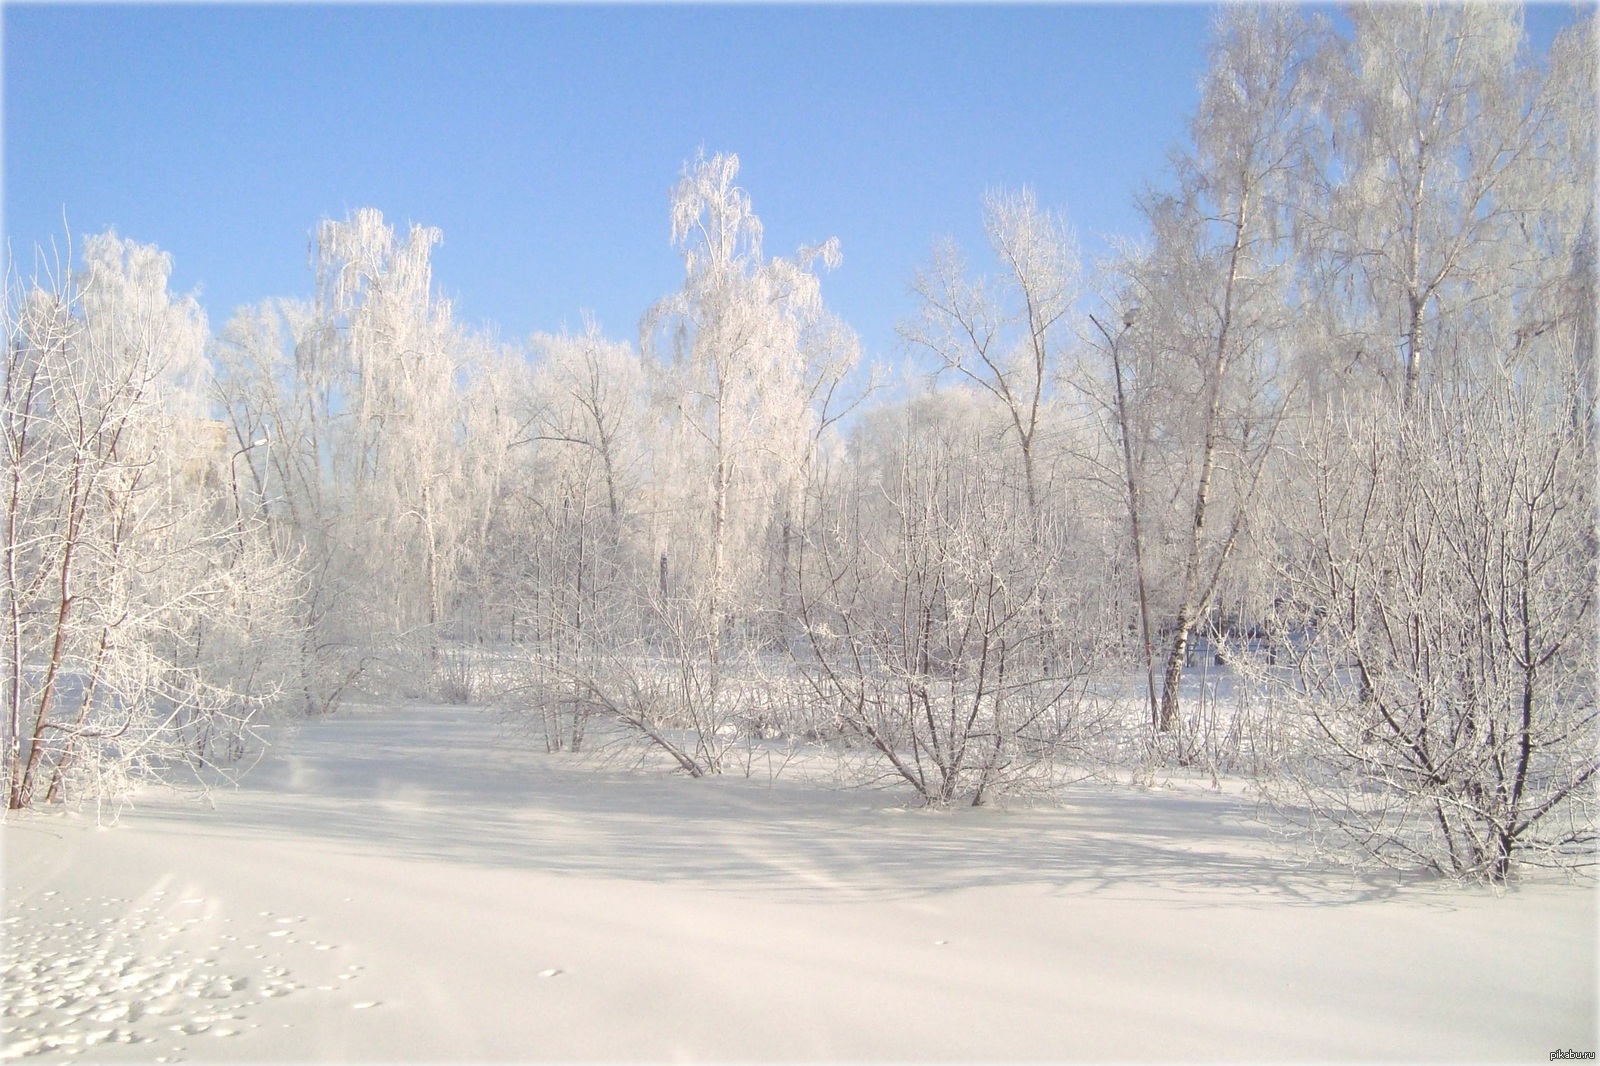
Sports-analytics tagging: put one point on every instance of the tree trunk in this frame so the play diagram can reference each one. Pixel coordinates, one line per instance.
(1188, 608)
(1173, 678)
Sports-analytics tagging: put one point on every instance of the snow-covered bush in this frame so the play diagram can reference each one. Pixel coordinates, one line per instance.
(945, 624)
(1437, 637)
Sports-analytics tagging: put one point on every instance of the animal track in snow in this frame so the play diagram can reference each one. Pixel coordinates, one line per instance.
(75, 974)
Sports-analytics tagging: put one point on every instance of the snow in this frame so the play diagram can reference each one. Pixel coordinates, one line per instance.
(405, 884)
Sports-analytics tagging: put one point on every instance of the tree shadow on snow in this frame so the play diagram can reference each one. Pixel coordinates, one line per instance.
(441, 784)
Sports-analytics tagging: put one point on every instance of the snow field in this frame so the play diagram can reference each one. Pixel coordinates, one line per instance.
(413, 889)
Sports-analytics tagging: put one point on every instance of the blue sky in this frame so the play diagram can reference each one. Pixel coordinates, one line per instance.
(544, 140)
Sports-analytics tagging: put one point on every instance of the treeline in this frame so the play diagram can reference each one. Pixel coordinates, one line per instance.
(1332, 421)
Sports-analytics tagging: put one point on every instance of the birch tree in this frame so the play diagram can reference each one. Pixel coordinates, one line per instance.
(740, 380)
(1435, 126)
(1212, 292)
(399, 354)
(737, 362)
(360, 393)
(277, 384)
(1005, 334)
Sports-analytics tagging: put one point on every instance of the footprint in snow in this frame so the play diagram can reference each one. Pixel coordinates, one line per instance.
(73, 982)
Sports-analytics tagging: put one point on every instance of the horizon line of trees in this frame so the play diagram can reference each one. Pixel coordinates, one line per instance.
(1334, 419)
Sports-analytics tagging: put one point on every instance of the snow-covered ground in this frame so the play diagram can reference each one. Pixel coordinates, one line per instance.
(402, 885)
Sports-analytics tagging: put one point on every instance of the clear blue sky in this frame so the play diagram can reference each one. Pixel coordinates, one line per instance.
(544, 140)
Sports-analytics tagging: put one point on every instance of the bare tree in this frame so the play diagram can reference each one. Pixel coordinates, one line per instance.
(1122, 417)
(573, 543)
(657, 488)
(399, 356)
(274, 386)
(1005, 334)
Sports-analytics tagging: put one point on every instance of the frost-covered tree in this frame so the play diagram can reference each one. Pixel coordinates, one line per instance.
(398, 355)
(579, 470)
(740, 369)
(361, 395)
(736, 387)
(274, 386)
(1215, 311)
(1434, 557)
(1005, 334)
(1440, 148)
(147, 620)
